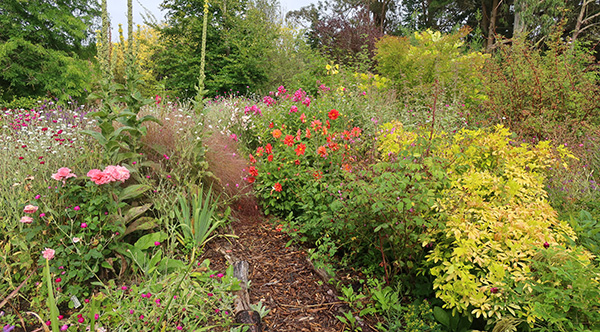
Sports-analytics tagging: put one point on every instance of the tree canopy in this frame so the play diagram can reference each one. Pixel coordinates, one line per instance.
(43, 45)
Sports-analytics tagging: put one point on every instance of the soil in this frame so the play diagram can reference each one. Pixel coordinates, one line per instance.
(281, 277)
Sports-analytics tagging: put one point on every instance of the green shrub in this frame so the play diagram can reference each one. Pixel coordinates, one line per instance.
(34, 71)
(542, 94)
(560, 293)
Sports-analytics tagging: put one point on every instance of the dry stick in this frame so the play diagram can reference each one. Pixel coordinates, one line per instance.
(16, 291)
(310, 305)
(20, 317)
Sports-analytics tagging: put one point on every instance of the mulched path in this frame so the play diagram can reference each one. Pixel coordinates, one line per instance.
(282, 278)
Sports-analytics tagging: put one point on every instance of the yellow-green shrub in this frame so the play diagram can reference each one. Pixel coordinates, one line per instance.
(432, 60)
(497, 218)
(392, 138)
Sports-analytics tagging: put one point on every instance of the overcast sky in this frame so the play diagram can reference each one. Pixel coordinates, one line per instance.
(117, 10)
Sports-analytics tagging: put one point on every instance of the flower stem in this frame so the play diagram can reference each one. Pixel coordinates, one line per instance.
(51, 302)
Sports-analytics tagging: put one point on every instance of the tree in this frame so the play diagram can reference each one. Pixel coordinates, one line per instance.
(239, 34)
(63, 25)
(44, 45)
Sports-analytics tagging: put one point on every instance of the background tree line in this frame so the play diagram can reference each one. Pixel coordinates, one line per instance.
(47, 48)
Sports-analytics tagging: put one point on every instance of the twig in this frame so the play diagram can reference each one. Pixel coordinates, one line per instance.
(310, 305)
(16, 291)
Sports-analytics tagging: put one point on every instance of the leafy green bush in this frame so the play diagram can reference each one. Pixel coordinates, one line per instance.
(588, 232)
(542, 94)
(560, 293)
(30, 70)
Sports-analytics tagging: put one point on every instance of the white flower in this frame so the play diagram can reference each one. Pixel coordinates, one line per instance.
(76, 239)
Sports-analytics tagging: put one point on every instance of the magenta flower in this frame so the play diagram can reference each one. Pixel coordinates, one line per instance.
(84, 225)
(546, 245)
(37, 196)
(96, 316)
(166, 157)
(77, 208)
(179, 327)
(220, 275)
(64, 327)
(81, 319)
(156, 243)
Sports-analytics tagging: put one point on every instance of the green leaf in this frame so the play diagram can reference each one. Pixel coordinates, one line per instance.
(135, 212)
(133, 191)
(148, 240)
(441, 316)
(140, 224)
(96, 135)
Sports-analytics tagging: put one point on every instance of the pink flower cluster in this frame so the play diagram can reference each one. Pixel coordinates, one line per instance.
(110, 174)
(299, 95)
(268, 100)
(281, 90)
(62, 174)
(254, 109)
(48, 253)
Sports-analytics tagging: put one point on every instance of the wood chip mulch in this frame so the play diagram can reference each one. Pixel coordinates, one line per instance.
(282, 278)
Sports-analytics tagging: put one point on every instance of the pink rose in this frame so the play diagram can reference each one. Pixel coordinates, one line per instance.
(26, 220)
(48, 253)
(62, 174)
(118, 173)
(99, 177)
(30, 209)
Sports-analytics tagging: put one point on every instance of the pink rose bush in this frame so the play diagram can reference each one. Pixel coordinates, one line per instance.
(110, 174)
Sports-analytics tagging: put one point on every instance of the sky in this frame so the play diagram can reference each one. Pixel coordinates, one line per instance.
(117, 9)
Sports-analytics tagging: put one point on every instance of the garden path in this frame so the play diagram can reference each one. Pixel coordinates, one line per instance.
(281, 277)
